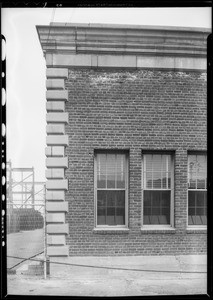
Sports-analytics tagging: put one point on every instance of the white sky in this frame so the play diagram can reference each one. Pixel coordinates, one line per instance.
(26, 103)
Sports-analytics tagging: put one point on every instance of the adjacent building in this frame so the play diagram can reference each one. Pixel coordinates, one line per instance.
(126, 139)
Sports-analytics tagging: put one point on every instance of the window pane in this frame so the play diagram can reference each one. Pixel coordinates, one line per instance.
(157, 180)
(192, 183)
(201, 163)
(101, 218)
(157, 207)
(156, 168)
(204, 220)
(148, 158)
(155, 199)
(120, 163)
(111, 164)
(191, 211)
(190, 220)
(101, 198)
(110, 198)
(147, 211)
(156, 210)
(196, 220)
(146, 220)
(147, 198)
(156, 163)
(111, 170)
(120, 216)
(101, 170)
(169, 180)
(165, 211)
(164, 180)
(111, 207)
(201, 183)
(200, 198)
(191, 198)
(205, 199)
(120, 198)
(120, 181)
(148, 183)
(197, 211)
(101, 182)
(110, 181)
(154, 220)
(110, 216)
(165, 198)
(192, 164)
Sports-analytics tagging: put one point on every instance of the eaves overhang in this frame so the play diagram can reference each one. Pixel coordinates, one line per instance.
(102, 39)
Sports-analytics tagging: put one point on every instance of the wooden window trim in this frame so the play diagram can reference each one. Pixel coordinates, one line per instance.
(111, 227)
(194, 227)
(158, 226)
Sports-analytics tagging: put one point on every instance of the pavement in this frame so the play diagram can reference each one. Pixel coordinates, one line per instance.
(116, 276)
(24, 244)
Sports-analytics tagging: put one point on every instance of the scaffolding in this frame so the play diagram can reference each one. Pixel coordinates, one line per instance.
(22, 189)
(25, 222)
(25, 199)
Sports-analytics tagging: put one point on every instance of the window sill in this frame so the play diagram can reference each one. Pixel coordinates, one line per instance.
(166, 230)
(202, 230)
(111, 230)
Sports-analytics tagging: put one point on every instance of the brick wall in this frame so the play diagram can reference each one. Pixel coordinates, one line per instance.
(136, 110)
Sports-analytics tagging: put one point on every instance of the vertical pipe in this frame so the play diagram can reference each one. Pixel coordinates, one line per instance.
(45, 236)
(33, 188)
(22, 200)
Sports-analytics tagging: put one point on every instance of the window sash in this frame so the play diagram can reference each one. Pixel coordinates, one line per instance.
(113, 175)
(112, 205)
(150, 170)
(197, 208)
(157, 207)
(197, 172)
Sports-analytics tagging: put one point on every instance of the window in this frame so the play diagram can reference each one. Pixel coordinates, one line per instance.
(111, 189)
(157, 182)
(197, 190)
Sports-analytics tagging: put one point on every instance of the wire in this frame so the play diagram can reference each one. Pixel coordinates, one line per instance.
(112, 268)
(24, 259)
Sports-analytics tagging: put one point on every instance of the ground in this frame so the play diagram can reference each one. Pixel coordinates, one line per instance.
(24, 244)
(180, 275)
(102, 276)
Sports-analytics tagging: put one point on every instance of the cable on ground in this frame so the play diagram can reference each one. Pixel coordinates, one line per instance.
(113, 268)
(24, 259)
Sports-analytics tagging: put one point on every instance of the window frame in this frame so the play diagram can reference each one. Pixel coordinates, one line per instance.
(196, 227)
(158, 226)
(112, 227)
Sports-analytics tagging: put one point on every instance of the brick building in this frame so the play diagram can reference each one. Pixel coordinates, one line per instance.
(126, 139)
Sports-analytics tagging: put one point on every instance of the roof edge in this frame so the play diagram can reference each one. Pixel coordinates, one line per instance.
(130, 26)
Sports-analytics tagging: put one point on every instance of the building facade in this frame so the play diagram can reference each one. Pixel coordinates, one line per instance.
(126, 139)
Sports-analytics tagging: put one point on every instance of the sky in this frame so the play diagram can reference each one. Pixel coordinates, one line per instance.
(26, 68)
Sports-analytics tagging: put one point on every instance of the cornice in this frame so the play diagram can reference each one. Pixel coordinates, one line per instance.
(103, 39)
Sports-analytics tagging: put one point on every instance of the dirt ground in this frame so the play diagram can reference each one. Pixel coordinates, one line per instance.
(137, 276)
